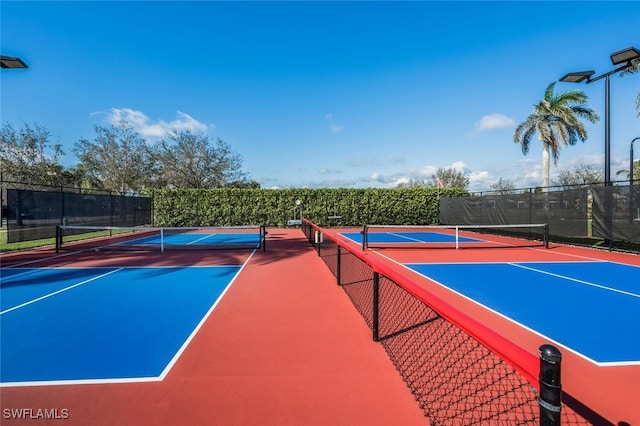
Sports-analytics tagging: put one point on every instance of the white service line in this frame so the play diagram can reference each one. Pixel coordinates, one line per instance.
(59, 291)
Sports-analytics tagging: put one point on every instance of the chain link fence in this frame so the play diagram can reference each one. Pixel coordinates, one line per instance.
(454, 375)
(610, 214)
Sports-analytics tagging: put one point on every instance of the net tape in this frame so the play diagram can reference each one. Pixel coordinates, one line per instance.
(80, 237)
(518, 234)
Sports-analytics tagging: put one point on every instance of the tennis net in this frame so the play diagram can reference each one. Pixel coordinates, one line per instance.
(114, 238)
(452, 236)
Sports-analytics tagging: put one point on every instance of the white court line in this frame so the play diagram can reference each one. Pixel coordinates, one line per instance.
(58, 291)
(169, 365)
(604, 287)
(508, 318)
(186, 343)
(201, 238)
(404, 236)
(18, 265)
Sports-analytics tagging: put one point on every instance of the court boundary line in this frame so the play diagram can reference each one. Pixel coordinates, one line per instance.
(17, 265)
(62, 290)
(534, 331)
(144, 379)
(408, 239)
(196, 241)
(509, 319)
(196, 329)
(411, 240)
(568, 278)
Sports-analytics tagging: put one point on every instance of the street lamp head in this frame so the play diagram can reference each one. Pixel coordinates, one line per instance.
(11, 62)
(625, 55)
(577, 77)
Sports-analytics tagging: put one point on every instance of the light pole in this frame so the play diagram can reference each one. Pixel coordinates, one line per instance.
(631, 190)
(631, 160)
(624, 56)
(11, 62)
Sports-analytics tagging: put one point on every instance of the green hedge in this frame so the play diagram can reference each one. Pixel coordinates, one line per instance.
(275, 207)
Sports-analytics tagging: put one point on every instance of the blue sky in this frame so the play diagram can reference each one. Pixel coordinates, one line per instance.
(324, 94)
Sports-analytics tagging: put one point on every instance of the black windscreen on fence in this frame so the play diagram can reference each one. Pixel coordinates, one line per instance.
(622, 205)
(564, 211)
(33, 215)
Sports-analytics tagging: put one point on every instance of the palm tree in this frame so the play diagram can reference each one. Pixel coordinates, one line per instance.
(556, 120)
(627, 173)
(634, 67)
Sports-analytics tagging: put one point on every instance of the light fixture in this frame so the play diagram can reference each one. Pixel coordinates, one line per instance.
(577, 77)
(625, 55)
(11, 62)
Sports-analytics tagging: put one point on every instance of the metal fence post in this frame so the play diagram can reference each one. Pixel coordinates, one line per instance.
(376, 306)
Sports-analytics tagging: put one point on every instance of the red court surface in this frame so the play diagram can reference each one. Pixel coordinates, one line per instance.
(284, 346)
(612, 392)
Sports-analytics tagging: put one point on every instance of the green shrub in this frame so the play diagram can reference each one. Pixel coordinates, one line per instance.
(275, 207)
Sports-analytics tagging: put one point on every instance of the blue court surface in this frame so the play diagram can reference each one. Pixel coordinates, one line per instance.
(591, 308)
(195, 239)
(408, 237)
(102, 324)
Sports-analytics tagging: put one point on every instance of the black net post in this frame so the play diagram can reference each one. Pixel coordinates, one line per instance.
(550, 387)
(364, 237)
(58, 238)
(546, 235)
(338, 264)
(376, 306)
(317, 240)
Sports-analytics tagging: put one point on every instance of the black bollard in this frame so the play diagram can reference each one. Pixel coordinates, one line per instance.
(550, 387)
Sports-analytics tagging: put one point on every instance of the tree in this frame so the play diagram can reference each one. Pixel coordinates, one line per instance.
(244, 184)
(77, 177)
(580, 176)
(503, 186)
(627, 173)
(191, 160)
(413, 183)
(450, 178)
(556, 120)
(27, 155)
(119, 159)
(633, 68)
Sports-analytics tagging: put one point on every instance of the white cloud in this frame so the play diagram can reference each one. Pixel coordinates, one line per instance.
(479, 180)
(458, 165)
(423, 172)
(402, 181)
(154, 129)
(328, 171)
(333, 127)
(492, 122)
